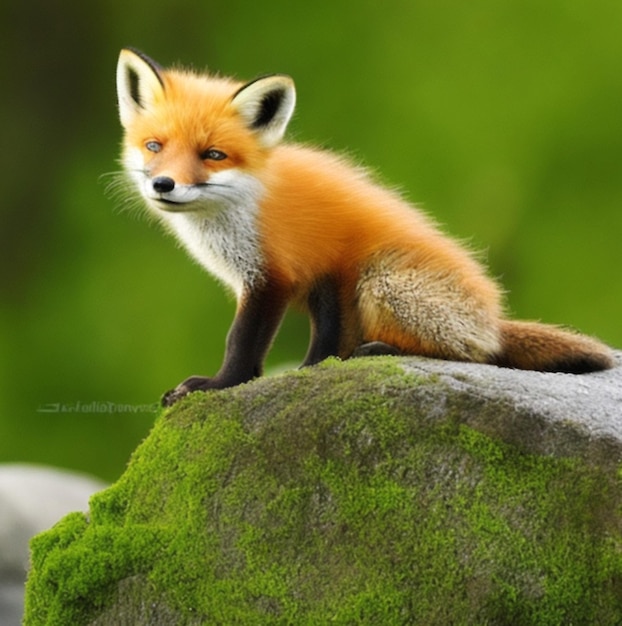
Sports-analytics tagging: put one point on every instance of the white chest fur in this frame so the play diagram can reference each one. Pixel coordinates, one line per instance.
(221, 230)
(222, 244)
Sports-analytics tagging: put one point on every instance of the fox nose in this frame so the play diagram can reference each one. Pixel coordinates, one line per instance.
(163, 184)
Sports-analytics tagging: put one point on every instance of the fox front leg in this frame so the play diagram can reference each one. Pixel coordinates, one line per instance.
(326, 322)
(257, 319)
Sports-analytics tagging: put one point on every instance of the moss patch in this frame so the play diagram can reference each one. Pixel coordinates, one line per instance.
(329, 496)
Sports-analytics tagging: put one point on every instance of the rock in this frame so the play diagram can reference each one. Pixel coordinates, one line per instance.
(375, 491)
(32, 499)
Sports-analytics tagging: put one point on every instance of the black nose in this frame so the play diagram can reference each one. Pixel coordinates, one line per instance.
(163, 184)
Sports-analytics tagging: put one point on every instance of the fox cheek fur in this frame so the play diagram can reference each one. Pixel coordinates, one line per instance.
(284, 224)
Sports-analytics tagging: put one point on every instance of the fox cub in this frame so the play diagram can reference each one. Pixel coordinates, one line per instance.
(283, 224)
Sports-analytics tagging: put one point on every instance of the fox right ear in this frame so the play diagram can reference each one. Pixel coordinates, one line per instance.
(266, 105)
(139, 84)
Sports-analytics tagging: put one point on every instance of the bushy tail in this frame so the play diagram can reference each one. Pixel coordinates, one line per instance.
(534, 346)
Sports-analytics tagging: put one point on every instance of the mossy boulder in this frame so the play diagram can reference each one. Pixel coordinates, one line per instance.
(375, 491)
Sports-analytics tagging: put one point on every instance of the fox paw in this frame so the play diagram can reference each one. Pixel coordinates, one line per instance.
(194, 383)
(376, 348)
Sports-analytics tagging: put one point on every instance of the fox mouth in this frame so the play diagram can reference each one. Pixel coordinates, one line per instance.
(168, 201)
(172, 206)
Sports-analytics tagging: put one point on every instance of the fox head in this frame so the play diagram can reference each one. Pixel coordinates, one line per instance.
(193, 141)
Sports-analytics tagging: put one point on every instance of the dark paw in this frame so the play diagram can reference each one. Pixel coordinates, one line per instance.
(194, 383)
(376, 348)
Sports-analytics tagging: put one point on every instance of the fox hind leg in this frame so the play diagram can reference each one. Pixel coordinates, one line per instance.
(424, 312)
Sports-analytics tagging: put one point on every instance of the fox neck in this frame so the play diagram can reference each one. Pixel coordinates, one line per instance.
(224, 236)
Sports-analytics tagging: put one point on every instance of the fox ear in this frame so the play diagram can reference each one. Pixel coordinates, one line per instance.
(266, 105)
(139, 84)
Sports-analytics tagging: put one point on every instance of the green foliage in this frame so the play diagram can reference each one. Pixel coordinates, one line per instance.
(274, 504)
(501, 119)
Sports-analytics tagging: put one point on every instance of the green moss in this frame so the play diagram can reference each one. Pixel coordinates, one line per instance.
(302, 500)
(77, 577)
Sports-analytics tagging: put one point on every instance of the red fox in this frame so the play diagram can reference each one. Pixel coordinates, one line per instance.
(284, 224)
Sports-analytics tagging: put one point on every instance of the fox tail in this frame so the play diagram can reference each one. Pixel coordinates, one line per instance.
(535, 346)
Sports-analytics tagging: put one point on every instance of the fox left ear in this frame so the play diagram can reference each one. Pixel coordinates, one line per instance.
(139, 84)
(266, 105)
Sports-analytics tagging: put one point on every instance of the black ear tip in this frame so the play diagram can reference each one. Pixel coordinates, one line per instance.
(154, 65)
(135, 76)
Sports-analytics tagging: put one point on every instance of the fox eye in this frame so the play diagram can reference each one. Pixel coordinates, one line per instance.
(153, 146)
(213, 155)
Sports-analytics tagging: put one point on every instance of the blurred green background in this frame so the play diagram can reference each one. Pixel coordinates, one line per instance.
(503, 119)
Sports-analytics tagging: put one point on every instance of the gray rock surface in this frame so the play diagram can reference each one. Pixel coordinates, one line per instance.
(561, 414)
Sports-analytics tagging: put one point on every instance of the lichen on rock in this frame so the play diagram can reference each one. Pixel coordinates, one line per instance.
(374, 491)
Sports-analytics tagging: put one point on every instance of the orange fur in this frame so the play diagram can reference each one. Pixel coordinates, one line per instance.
(399, 279)
(324, 217)
(195, 114)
